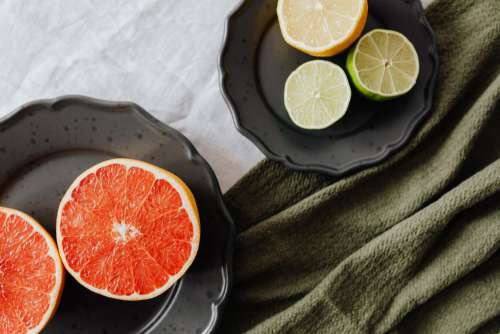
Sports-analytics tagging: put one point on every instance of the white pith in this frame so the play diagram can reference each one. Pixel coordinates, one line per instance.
(160, 175)
(54, 254)
(124, 232)
(300, 44)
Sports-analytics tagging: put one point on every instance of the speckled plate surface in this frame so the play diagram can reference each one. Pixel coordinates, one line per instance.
(43, 147)
(255, 63)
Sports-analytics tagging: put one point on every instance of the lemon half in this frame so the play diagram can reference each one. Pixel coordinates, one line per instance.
(322, 28)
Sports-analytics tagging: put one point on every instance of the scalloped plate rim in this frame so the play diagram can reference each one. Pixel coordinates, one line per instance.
(353, 166)
(218, 304)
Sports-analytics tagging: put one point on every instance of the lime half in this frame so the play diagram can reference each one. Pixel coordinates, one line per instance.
(317, 94)
(383, 65)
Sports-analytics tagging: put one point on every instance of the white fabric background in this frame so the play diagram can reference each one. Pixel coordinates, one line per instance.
(161, 54)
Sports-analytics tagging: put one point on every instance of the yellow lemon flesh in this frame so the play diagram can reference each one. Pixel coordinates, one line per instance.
(322, 28)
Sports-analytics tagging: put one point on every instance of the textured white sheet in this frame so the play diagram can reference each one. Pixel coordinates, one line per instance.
(161, 54)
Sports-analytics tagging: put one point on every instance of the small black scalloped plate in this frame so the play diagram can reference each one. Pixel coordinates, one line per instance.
(46, 144)
(255, 63)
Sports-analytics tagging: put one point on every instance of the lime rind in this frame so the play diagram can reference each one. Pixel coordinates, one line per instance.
(377, 95)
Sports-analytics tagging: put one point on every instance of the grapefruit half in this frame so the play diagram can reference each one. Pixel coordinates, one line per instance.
(128, 230)
(31, 274)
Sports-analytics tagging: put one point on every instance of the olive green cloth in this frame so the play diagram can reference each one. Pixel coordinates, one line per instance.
(408, 246)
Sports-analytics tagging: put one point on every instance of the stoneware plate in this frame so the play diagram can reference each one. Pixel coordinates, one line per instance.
(255, 63)
(46, 144)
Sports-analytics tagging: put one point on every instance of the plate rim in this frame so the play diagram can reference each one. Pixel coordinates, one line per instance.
(217, 305)
(387, 149)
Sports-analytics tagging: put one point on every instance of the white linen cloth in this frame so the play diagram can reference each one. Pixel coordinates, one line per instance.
(161, 54)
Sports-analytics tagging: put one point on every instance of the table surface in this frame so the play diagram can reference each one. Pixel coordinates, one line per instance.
(160, 54)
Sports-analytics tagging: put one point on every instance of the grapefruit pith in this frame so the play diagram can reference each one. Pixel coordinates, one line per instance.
(31, 274)
(127, 229)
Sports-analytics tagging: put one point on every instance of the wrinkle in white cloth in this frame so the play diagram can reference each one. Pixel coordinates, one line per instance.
(160, 54)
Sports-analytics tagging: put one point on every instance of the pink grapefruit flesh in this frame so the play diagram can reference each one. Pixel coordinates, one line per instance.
(31, 274)
(127, 229)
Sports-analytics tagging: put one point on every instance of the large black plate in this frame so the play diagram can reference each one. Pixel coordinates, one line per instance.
(46, 144)
(255, 63)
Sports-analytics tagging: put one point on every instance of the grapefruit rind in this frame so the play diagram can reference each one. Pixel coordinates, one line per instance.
(55, 296)
(188, 203)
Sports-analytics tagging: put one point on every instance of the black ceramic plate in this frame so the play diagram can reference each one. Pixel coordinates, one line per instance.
(46, 144)
(255, 63)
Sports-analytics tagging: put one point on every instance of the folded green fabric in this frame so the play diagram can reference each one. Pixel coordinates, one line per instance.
(408, 246)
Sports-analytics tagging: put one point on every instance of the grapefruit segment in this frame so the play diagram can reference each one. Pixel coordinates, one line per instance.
(31, 274)
(127, 229)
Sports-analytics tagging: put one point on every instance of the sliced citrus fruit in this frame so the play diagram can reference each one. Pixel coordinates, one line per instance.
(383, 65)
(322, 28)
(128, 230)
(31, 274)
(317, 94)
